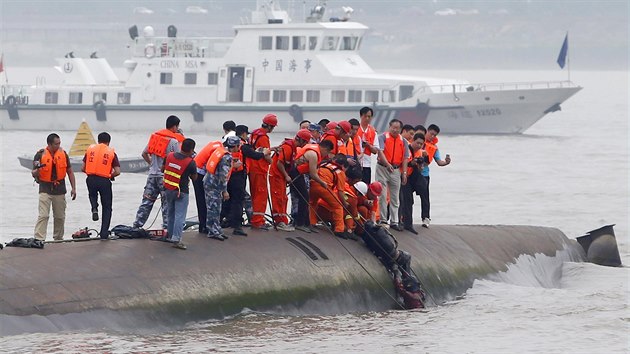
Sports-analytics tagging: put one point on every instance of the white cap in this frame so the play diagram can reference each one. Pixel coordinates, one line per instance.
(230, 133)
(361, 187)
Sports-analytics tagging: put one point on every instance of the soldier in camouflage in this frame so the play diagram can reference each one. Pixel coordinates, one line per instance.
(215, 187)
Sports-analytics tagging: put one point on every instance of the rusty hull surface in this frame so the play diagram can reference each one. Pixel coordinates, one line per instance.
(265, 271)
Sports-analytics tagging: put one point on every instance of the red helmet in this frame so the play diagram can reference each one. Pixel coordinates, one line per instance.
(376, 188)
(345, 126)
(270, 119)
(304, 134)
(331, 126)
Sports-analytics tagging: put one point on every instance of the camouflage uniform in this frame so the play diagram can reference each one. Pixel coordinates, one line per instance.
(155, 187)
(214, 185)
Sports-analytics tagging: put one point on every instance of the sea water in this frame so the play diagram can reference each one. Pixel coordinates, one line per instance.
(569, 171)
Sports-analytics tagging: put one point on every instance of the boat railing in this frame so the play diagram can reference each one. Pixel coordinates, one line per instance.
(501, 86)
(174, 47)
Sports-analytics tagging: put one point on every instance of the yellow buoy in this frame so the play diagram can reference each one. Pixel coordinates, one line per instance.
(82, 140)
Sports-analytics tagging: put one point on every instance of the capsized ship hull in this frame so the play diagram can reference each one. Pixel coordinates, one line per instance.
(268, 271)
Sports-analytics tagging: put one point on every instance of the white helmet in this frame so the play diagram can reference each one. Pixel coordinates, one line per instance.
(361, 187)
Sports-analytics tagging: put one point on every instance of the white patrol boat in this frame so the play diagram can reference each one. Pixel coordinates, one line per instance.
(308, 70)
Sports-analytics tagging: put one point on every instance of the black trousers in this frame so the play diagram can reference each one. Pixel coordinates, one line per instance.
(102, 186)
(423, 192)
(405, 212)
(236, 189)
(367, 175)
(298, 186)
(200, 200)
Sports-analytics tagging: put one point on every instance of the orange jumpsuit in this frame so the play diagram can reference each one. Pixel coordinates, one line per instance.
(258, 170)
(335, 179)
(277, 183)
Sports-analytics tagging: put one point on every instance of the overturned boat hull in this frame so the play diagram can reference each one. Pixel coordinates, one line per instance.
(267, 271)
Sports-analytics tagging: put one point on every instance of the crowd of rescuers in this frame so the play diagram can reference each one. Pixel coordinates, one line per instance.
(327, 168)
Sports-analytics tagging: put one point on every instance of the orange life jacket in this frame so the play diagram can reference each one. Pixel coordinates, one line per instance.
(336, 172)
(159, 140)
(238, 156)
(258, 166)
(304, 168)
(48, 160)
(98, 160)
(173, 170)
(288, 160)
(431, 149)
(333, 139)
(214, 160)
(368, 135)
(202, 157)
(394, 149)
(350, 147)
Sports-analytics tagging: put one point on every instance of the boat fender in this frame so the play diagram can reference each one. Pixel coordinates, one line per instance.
(149, 50)
(197, 112)
(422, 110)
(101, 111)
(295, 111)
(11, 106)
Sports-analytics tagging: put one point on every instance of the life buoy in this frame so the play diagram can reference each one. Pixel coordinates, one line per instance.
(101, 110)
(197, 112)
(11, 104)
(149, 51)
(295, 111)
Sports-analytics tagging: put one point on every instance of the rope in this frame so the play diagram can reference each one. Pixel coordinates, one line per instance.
(352, 255)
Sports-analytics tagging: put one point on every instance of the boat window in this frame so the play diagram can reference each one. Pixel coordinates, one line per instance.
(296, 96)
(406, 91)
(266, 43)
(99, 96)
(349, 43)
(282, 42)
(338, 96)
(330, 43)
(262, 95)
(51, 97)
(213, 78)
(371, 96)
(389, 96)
(312, 95)
(190, 78)
(75, 98)
(279, 95)
(312, 43)
(166, 78)
(354, 95)
(299, 43)
(124, 98)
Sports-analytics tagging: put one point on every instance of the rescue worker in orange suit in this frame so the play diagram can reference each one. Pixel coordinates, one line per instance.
(388, 172)
(307, 161)
(50, 167)
(351, 214)
(332, 195)
(367, 203)
(258, 171)
(101, 166)
(161, 143)
(218, 169)
(279, 177)
(201, 159)
(178, 168)
(238, 179)
(337, 135)
(418, 158)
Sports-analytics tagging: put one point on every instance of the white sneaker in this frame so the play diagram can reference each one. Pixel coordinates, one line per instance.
(426, 222)
(284, 227)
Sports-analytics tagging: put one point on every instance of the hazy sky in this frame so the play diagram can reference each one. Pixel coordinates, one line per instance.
(517, 34)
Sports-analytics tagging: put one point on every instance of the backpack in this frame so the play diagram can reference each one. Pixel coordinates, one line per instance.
(124, 231)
